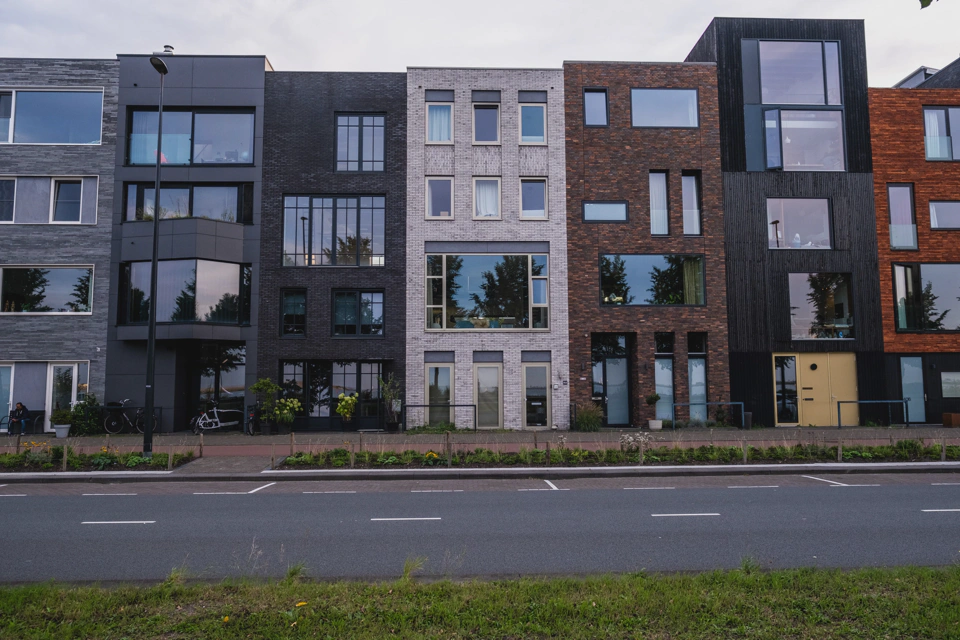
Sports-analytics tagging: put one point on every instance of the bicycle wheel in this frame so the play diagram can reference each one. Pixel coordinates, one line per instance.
(113, 424)
(195, 425)
(138, 420)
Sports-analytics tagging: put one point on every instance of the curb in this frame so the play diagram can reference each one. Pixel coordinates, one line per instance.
(512, 473)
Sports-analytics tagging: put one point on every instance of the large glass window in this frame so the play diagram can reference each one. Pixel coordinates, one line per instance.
(804, 140)
(360, 143)
(319, 383)
(439, 123)
(533, 124)
(533, 198)
(486, 124)
(820, 306)
(697, 374)
(53, 117)
(293, 304)
(325, 231)
(7, 191)
(225, 203)
(66, 200)
(659, 214)
(46, 289)
(903, 224)
(690, 184)
(189, 291)
(200, 137)
(651, 279)
(950, 384)
(663, 374)
(604, 211)
(439, 197)
(595, 107)
(798, 223)
(489, 292)
(943, 215)
(942, 133)
(927, 297)
(358, 313)
(223, 374)
(664, 107)
(799, 72)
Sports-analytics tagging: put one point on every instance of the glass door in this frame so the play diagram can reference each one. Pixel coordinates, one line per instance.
(611, 382)
(6, 378)
(63, 389)
(488, 395)
(536, 392)
(785, 383)
(617, 391)
(439, 392)
(911, 385)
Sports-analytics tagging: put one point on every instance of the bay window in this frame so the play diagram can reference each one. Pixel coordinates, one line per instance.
(192, 137)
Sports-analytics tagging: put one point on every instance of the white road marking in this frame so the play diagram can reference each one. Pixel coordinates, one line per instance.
(436, 491)
(329, 491)
(552, 486)
(397, 519)
(854, 485)
(109, 494)
(754, 486)
(235, 493)
(681, 515)
(534, 489)
(13, 495)
(645, 488)
(839, 484)
(935, 484)
(123, 522)
(937, 510)
(263, 487)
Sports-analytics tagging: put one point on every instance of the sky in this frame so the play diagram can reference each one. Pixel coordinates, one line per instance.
(390, 35)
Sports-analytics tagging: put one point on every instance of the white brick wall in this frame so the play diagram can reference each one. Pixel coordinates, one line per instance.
(510, 161)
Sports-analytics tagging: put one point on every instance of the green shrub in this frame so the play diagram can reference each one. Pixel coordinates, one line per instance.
(86, 417)
(589, 417)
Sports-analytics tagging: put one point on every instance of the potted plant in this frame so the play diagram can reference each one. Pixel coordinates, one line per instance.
(265, 390)
(654, 425)
(61, 419)
(285, 410)
(346, 405)
(391, 394)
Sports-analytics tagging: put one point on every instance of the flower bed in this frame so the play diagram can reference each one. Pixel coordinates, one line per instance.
(40, 456)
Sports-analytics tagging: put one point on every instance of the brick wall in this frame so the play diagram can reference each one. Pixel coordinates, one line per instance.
(613, 163)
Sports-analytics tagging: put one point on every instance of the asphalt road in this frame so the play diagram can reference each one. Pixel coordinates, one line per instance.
(92, 532)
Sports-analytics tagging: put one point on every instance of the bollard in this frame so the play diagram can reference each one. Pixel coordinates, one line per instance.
(291, 443)
(548, 453)
(352, 445)
(361, 442)
(64, 456)
(943, 449)
(535, 445)
(170, 459)
(449, 448)
(839, 450)
(201, 444)
(745, 452)
(641, 454)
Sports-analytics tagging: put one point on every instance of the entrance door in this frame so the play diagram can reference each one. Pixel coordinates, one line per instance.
(62, 392)
(843, 386)
(6, 379)
(911, 386)
(611, 381)
(809, 385)
(814, 374)
(536, 392)
(488, 396)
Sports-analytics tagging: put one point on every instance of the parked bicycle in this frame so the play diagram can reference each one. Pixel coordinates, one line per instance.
(117, 419)
(214, 419)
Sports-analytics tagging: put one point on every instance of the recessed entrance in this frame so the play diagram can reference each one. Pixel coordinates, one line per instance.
(807, 387)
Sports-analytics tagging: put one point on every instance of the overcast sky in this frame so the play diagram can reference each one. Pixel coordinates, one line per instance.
(389, 35)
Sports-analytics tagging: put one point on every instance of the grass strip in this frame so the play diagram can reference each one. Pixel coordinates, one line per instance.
(804, 603)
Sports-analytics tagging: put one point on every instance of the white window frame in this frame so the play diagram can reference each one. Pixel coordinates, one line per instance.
(473, 123)
(426, 122)
(48, 403)
(476, 391)
(13, 114)
(473, 203)
(426, 197)
(426, 387)
(93, 282)
(14, 216)
(54, 181)
(543, 107)
(523, 390)
(546, 197)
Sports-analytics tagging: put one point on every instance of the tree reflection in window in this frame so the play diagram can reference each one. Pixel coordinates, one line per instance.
(820, 306)
(190, 291)
(46, 290)
(668, 279)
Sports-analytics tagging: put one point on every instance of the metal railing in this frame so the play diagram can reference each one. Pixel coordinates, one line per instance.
(673, 411)
(905, 402)
(452, 407)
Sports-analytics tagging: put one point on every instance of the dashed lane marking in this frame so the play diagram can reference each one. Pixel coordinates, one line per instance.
(122, 522)
(681, 515)
(109, 494)
(645, 488)
(329, 491)
(754, 486)
(436, 491)
(398, 519)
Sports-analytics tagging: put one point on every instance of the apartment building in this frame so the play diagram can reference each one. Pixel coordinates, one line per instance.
(486, 268)
(58, 130)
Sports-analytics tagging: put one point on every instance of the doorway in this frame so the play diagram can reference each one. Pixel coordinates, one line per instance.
(536, 395)
(611, 377)
(62, 390)
(911, 386)
(807, 387)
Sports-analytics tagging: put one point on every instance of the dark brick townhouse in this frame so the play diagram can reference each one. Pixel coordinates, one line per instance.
(647, 290)
(332, 278)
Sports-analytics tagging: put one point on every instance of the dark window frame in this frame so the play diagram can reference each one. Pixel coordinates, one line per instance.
(360, 159)
(583, 211)
(244, 193)
(918, 267)
(830, 218)
(851, 312)
(765, 109)
(823, 58)
(913, 214)
(12, 201)
(283, 332)
(306, 366)
(703, 275)
(57, 183)
(949, 128)
(359, 325)
(336, 210)
(606, 103)
(193, 111)
(696, 92)
(939, 228)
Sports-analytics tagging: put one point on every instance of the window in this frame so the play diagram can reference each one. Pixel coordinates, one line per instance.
(798, 223)
(942, 133)
(357, 313)
(188, 291)
(225, 203)
(800, 72)
(488, 292)
(325, 231)
(690, 185)
(488, 394)
(293, 303)
(651, 280)
(222, 367)
(943, 215)
(439, 197)
(51, 117)
(903, 224)
(66, 200)
(697, 375)
(46, 289)
(486, 124)
(927, 296)
(820, 306)
(439, 391)
(604, 211)
(533, 198)
(359, 143)
(804, 140)
(192, 137)
(440, 123)
(785, 373)
(664, 108)
(486, 198)
(950, 384)
(8, 189)
(659, 217)
(663, 374)
(595, 107)
(533, 124)
(319, 383)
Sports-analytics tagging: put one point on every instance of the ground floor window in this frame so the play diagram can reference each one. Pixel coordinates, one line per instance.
(223, 369)
(319, 383)
(488, 394)
(439, 391)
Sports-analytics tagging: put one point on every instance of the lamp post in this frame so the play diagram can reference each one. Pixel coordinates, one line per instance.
(148, 396)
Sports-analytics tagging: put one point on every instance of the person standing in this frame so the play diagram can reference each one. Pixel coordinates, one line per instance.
(18, 420)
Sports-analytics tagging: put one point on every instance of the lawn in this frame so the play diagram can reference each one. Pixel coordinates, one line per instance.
(747, 603)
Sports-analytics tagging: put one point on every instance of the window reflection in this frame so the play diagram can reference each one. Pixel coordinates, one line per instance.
(798, 223)
(820, 306)
(57, 117)
(190, 291)
(651, 280)
(794, 72)
(785, 374)
(46, 290)
(811, 140)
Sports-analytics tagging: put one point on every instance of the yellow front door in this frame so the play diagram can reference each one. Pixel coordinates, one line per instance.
(813, 371)
(843, 386)
(807, 387)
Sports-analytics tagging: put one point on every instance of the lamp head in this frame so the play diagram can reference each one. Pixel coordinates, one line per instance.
(159, 65)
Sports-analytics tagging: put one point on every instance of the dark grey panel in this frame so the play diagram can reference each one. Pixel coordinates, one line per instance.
(33, 200)
(137, 72)
(488, 356)
(751, 72)
(88, 207)
(485, 247)
(534, 356)
(532, 96)
(30, 385)
(486, 96)
(753, 138)
(439, 95)
(946, 78)
(247, 73)
(439, 356)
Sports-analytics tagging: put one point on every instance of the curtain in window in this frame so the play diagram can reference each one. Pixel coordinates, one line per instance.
(936, 143)
(692, 282)
(691, 209)
(658, 204)
(488, 198)
(143, 138)
(438, 127)
(697, 379)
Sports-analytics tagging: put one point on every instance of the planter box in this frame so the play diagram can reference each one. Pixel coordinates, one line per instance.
(951, 419)
(62, 430)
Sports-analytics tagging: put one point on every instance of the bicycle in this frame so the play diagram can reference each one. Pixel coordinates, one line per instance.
(203, 422)
(117, 418)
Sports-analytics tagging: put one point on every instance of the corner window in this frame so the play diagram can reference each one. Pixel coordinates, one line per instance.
(46, 290)
(533, 124)
(804, 140)
(943, 215)
(690, 184)
(188, 291)
(604, 211)
(595, 107)
(66, 200)
(360, 143)
(192, 137)
(51, 117)
(224, 203)
(486, 124)
(486, 198)
(820, 306)
(927, 296)
(651, 280)
(798, 223)
(664, 108)
(357, 313)
(533, 198)
(439, 123)
(799, 72)
(942, 133)
(8, 190)
(293, 305)
(439, 197)
(903, 223)
(659, 214)
(326, 231)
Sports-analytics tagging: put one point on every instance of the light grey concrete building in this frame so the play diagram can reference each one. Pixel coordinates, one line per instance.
(58, 130)
(486, 249)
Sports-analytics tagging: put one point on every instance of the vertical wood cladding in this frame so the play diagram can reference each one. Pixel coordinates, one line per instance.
(613, 163)
(899, 156)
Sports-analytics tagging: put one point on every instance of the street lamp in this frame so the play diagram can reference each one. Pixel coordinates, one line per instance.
(148, 400)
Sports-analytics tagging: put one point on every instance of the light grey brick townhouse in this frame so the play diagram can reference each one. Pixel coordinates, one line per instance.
(486, 249)
(58, 131)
